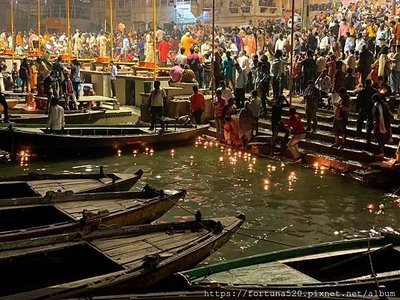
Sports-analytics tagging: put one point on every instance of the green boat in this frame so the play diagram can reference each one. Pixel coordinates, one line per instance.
(370, 265)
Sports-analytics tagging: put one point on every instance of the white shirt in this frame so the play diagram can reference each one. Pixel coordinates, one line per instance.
(280, 44)
(126, 45)
(324, 44)
(114, 72)
(56, 119)
(157, 99)
(244, 63)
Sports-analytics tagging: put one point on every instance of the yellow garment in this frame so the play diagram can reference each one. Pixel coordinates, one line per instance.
(371, 31)
(187, 41)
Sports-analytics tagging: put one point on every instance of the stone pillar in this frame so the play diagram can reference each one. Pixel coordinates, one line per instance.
(278, 4)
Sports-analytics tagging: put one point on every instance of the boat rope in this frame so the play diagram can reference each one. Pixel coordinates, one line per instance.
(265, 240)
(239, 233)
(182, 207)
(371, 265)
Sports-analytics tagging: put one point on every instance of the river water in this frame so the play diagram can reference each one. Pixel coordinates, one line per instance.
(282, 202)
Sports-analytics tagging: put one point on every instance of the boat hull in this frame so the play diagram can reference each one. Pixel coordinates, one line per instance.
(150, 210)
(16, 140)
(390, 280)
(70, 118)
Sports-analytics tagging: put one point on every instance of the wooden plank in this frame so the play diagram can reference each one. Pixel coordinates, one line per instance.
(107, 244)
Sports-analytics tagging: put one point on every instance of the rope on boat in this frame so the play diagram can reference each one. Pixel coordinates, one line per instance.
(266, 240)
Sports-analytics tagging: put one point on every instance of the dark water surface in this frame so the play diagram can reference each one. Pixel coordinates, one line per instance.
(282, 202)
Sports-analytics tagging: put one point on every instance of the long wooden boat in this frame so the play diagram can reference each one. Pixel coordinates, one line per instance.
(60, 212)
(90, 139)
(87, 117)
(108, 261)
(37, 185)
(244, 294)
(349, 266)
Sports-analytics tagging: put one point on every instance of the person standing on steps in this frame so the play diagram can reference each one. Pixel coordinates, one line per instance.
(311, 97)
(158, 99)
(382, 120)
(113, 79)
(364, 106)
(340, 118)
(299, 134)
(197, 104)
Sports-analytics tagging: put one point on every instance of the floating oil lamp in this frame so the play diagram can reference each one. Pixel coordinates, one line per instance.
(266, 187)
(119, 152)
(273, 168)
(371, 207)
(221, 159)
(172, 152)
(315, 165)
(266, 181)
(151, 152)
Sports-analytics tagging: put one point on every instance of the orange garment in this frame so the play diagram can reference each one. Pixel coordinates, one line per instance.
(250, 45)
(396, 31)
(34, 74)
(18, 40)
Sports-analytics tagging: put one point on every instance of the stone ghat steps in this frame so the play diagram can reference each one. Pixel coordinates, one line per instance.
(363, 157)
(353, 141)
(326, 116)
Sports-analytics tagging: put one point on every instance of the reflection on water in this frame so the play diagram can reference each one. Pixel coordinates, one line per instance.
(282, 202)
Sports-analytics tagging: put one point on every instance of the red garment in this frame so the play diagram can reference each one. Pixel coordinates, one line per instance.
(295, 124)
(163, 49)
(219, 106)
(197, 102)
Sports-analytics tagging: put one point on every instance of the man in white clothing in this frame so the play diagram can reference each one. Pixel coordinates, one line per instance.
(56, 120)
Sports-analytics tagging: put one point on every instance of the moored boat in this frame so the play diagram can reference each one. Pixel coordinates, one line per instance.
(368, 264)
(88, 139)
(108, 261)
(36, 184)
(60, 212)
(71, 117)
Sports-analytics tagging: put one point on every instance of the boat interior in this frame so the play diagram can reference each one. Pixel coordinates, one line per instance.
(40, 269)
(347, 266)
(313, 269)
(16, 190)
(31, 216)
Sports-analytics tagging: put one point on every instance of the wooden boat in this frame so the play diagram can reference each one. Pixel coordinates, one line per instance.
(92, 139)
(206, 294)
(108, 261)
(366, 264)
(71, 117)
(60, 212)
(36, 184)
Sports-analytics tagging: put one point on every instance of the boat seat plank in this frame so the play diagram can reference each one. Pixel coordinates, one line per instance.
(140, 245)
(43, 186)
(155, 249)
(268, 273)
(108, 244)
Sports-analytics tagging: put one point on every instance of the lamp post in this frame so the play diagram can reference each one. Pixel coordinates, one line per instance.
(291, 56)
(68, 28)
(154, 39)
(111, 30)
(213, 52)
(12, 23)
(38, 17)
